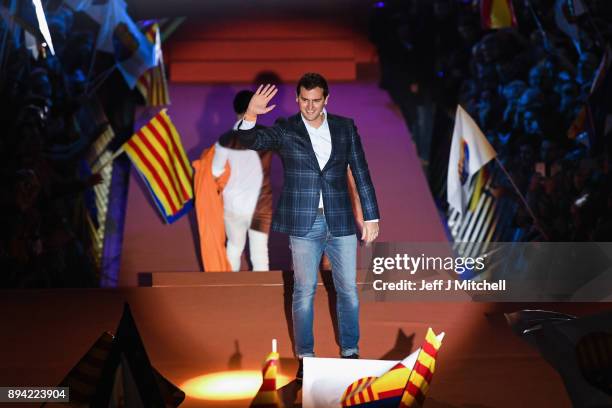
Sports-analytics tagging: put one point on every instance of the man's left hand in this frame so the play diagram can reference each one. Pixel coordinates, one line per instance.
(369, 232)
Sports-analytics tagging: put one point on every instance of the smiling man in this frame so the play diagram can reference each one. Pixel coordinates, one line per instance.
(315, 206)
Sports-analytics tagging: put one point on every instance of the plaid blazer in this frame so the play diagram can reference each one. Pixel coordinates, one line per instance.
(303, 179)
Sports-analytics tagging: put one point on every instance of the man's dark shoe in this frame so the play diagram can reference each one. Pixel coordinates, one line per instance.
(300, 371)
(353, 356)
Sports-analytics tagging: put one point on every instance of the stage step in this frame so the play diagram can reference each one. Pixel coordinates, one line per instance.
(247, 71)
(239, 50)
(229, 279)
(271, 50)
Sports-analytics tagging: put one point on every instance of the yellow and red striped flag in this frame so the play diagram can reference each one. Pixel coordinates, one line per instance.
(152, 84)
(267, 396)
(383, 391)
(422, 372)
(497, 14)
(389, 390)
(157, 152)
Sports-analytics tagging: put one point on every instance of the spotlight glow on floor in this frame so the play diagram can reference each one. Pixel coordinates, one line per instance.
(228, 385)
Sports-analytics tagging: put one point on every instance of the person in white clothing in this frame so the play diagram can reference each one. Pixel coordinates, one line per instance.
(247, 196)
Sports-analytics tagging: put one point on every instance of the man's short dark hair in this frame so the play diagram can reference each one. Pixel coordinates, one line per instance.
(312, 80)
(241, 101)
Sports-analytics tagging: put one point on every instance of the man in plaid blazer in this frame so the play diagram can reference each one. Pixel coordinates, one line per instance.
(315, 206)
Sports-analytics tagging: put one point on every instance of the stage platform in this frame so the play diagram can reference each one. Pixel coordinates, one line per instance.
(203, 112)
(191, 326)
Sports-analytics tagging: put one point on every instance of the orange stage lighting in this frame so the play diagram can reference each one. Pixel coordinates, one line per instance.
(228, 385)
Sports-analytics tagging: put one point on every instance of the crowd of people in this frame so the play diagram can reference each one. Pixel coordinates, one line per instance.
(45, 236)
(527, 87)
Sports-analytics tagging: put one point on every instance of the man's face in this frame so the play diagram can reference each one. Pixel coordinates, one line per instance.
(311, 103)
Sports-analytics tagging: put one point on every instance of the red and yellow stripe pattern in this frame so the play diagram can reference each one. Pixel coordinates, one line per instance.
(370, 389)
(153, 84)
(157, 152)
(267, 396)
(400, 386)
(422, 372)
(358, 392)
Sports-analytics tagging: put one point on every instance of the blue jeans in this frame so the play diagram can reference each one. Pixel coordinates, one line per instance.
(307, 252)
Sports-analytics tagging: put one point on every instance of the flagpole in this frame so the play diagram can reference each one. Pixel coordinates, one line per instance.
(93, 58)
(540, 28)
(603, 44)
(99, 80)
(4, 39)
(535, 220)
(2, 60)
(117, 153)
(10, 26)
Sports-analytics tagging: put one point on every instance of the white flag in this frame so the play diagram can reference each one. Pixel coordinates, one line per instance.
(470, 150)
(42, 24)
(31, 43)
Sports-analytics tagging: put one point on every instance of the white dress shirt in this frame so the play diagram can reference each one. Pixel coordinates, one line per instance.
(321, 144)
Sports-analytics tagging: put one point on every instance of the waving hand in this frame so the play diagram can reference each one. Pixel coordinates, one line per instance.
(259, 102)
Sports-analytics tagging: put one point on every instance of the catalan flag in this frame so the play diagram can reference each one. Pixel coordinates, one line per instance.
(422, 372)
(153, 84)
(496, 14)
(383, 391)
(389, 390)
(267, 396)
(157, 152)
